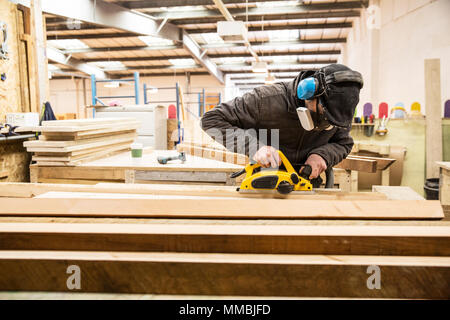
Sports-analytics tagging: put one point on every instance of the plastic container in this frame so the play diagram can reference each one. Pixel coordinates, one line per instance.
(431, 188)
(136, 150)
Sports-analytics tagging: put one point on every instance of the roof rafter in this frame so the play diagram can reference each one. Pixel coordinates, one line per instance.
(114, 16)
(218, 55)
(195, 14)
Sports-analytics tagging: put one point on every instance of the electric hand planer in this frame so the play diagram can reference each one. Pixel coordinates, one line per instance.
(284, 181)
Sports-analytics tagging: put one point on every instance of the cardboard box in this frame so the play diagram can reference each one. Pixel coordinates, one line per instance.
(26, 119)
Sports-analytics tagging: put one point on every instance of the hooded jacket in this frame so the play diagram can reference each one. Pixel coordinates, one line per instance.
(274, 107)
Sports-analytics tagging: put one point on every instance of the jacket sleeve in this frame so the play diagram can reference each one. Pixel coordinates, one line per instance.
(234, 123)
(337, 148)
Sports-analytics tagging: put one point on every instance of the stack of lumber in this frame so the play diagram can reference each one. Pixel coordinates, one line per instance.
(266, 249)
(71, 142)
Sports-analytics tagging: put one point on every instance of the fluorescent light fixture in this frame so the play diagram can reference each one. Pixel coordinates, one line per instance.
(232, 31)
(259, 67)
(155, 41)
(183, 62)
(67, 44)
(108, 65)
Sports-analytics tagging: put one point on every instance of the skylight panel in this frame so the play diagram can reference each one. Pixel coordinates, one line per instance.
(108, 65)
(283, 35)
(212, 38)
(182, 62)
(155, 41)
(67, 44)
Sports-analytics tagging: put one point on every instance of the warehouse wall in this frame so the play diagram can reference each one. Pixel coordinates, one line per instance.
(66, 95)
(14, 159)
(391, 58)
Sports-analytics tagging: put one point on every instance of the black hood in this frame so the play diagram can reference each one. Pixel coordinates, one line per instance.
(341, 99)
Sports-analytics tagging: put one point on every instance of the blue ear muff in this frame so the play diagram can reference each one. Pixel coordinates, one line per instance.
(307, 88)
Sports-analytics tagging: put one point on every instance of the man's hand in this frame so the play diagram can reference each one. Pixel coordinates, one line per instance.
(267, 156)
(318, 165)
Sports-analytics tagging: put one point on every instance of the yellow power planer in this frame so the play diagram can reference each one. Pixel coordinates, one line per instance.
(284, 181)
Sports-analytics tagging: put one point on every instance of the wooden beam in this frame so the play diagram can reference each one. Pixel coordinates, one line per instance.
(356, 164)
(231, 238)
(214, 154)
(433, 116)
(28, 190)
(227, 274)
(113, 205)
(381, 163)
(4, 174)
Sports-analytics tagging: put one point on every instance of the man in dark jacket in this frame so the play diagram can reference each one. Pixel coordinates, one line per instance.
(281, 109)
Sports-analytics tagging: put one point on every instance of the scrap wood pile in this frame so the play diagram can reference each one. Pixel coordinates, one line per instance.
(71, 142)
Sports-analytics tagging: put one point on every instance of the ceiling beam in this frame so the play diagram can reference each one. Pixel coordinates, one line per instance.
(276, 43)
(108, 14)
(271, 66)
(271, 70)
(163, 74)
(196, 51)
(268, 18)
(274, 16)
(195, 14)
(145, 4)
(279, 44)
(59, 57)
(119, 49)
(219, 55)
(52, 31)
(303, 26)
(276, 65)
(88, 36)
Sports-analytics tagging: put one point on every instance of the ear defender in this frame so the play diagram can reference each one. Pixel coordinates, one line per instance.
(307, 88)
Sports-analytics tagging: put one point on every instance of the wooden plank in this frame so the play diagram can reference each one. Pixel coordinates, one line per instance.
(28, 190)
(61, 144)
(398, 192)
(382, 163)
(210, 274)
(213, 154)
(68, 157)
(80, 173)
(77, 154)
(73, 129)
(433, 110)
(238, 238)
(86, 122)
(357, 164)
(58, 136)
(107, 205)
(91, 157)
(91, 145)
(444, 183)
